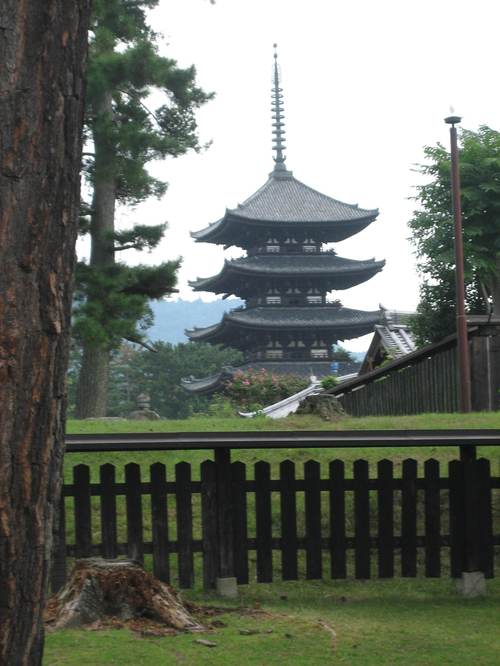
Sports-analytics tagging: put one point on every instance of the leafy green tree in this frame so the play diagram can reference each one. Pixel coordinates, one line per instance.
(341, 354)
(134, 370)
(124, 133)
(432, 227)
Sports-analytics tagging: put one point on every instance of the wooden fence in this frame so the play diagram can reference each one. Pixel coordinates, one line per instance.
(425, 384)
(247, 523)
(426, 380)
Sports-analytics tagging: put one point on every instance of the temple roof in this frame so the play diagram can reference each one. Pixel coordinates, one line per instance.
(324, 264)
(346, 323)
(284, 200)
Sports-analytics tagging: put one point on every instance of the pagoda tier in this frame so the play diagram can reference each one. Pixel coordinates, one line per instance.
(288, 277)
(283, 208)
(288, 332)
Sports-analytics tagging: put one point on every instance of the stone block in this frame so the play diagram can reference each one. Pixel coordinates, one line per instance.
(472, 584)
(226, 587)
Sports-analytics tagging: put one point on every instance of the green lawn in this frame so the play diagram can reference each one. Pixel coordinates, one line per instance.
(377, 622)
(306, 422)
(274, 456)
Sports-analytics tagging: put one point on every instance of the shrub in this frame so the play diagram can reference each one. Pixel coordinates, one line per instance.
(329, 382)
(255, 389)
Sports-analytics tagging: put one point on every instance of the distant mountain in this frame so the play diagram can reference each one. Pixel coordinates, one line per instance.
(173, 317)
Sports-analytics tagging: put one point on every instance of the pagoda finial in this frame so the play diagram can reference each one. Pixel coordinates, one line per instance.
(278, 124)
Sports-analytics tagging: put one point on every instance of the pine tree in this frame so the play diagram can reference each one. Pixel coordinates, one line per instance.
(126, 134)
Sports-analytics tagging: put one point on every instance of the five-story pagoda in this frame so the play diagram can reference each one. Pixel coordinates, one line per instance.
(288, 324)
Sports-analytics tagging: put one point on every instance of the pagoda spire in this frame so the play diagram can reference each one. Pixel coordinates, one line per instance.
(278, 116)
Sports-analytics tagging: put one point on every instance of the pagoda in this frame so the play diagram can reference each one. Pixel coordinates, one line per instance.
(288, 325)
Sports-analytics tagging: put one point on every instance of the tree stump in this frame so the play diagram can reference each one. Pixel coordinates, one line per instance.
(100, 589)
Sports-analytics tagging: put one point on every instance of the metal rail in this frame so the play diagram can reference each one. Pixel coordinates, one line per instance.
(279, 440)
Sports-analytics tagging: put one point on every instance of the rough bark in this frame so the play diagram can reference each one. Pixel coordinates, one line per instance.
(43, 49)
(92, 388)
(100, 589)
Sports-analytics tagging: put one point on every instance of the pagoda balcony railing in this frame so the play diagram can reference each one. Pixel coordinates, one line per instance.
(303, 356)
(287, 249)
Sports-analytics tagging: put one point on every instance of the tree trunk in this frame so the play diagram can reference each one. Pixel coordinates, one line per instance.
(493, 286)
(92, 389)
(43, 49)
(99, 590)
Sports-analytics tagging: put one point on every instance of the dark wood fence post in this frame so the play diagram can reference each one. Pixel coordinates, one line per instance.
(209, 524)
(225, 522)
(471, 518)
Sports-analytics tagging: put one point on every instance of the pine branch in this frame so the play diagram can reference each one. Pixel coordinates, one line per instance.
(140, 342)
(138, 238)
(135, 98)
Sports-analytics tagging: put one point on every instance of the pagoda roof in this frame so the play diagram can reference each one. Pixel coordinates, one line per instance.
(208, 384)
(347, 323)
(284, 200)
(323, 264)
(212, 383)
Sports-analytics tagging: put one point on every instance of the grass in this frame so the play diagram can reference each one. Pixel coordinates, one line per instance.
(305, 422)
(417, 622)
(274, 456)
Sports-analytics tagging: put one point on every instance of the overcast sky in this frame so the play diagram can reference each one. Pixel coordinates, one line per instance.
(366, 85)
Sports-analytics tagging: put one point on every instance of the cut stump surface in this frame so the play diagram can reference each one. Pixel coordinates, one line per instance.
(99, 589)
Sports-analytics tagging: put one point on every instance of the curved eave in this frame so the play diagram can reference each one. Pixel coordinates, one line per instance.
(227, 230)
(231, 323)
(202, 333)
(226, 280)
(207, 384)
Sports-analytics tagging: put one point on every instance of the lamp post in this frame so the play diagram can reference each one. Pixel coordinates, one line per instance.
(464, 389)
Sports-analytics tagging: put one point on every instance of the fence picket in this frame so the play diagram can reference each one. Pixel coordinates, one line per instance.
(456, 509)
(109, 538)
(209, 523)
(288, 504)
(184, 524)
(338, 542)
(263, 522)
(82, 512)
(485, 517)
(135, 548)
(314, 567)
(361, 520)
(385, 497)
(240, 522)
(432, 519)
(409, 519)
(159, 521)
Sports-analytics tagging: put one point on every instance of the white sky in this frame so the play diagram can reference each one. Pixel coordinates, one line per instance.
(366, 84)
